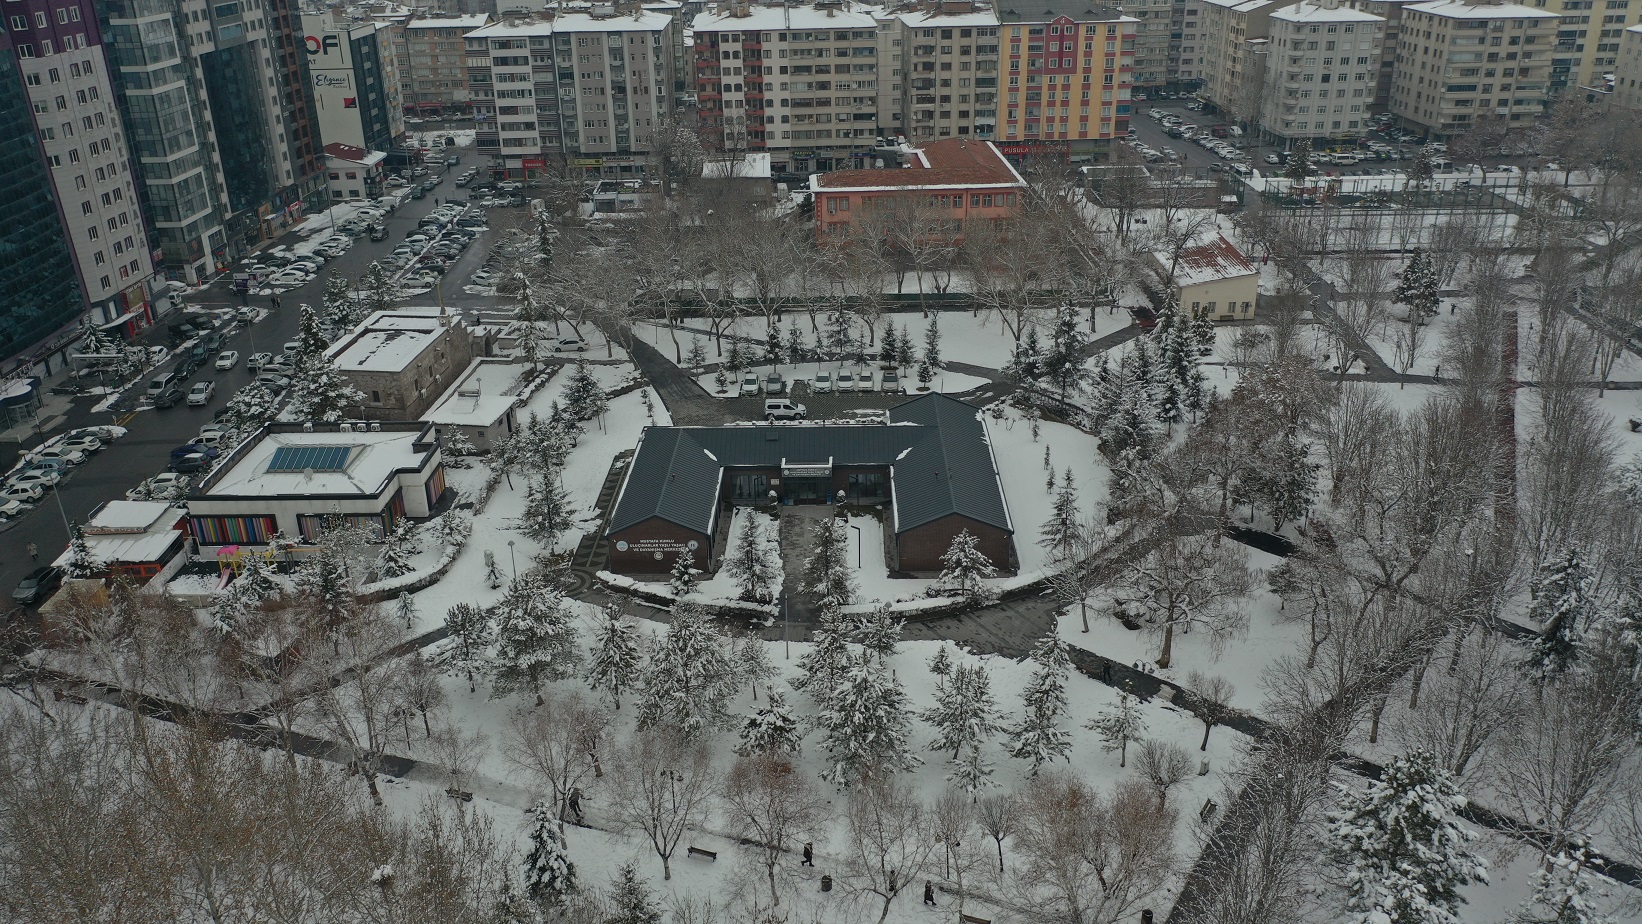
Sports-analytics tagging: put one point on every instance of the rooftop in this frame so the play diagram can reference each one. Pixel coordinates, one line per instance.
(348, 152)
(359, 462)
(937, 18)
(449, 22)
(123, 516)
(388, 341)
(947, 163)
(1212, 260)
(131, 532)
(937, 447)
(1469, 9)
(1051, 10)
(480, 397)
(1323, 12)
(778, 18)
(753, 165)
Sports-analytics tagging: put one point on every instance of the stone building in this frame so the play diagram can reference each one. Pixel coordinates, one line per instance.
(404, 360)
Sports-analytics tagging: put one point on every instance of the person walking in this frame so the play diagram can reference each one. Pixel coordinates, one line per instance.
(275, 301)
(576, 803)
(929, 893)
(809, 855)
(34, 553)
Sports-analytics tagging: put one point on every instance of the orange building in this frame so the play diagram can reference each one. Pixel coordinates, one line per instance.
(943, 186)
(1070, 69)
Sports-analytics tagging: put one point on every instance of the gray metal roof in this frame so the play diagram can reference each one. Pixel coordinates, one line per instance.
(936, 445)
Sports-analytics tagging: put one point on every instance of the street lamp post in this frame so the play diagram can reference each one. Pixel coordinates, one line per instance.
(512, 560)
(857, 546)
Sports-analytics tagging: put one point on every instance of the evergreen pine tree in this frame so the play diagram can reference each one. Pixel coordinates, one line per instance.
(397, 549)
(889, 345)
(1418, 287)
(752, 664)
(584, 398)
(339, 307)
(249, 409)
(535, 640)
(682, 579)
(932, 342)
(404, 609)
(471, 633)
(840, 334)
(1564, 608)
(549, 875)
(1061, 531)
(253, 587)
(547, 513)
(878, 631)
(721, 380)
(697, 357)
(965, 718)
(821, 666)
(774, 349)
(1038, 736)
(528, 320)
(940, 667)
(734, 359)
(81, 562)
(827, 573)
(1063, 363)
(1026, 364)
(1285, 481)
(965, 569)
(1298, 167)
(690, 678)
(630, 900)
(796, 349)
(1564, 892)
(865, 724)
(926, 373)
(615, 661)
(1405, 853)
(1119, 724)
(771, 728)
(376, 290)
(755, 567)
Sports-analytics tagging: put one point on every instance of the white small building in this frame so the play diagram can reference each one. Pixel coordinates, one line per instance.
(1212, 276)
(482, 404)
(296, 479)
(143, 541)
(353, 173)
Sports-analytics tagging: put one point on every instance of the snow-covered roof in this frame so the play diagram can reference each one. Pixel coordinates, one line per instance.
(1318, 12)
(480, 397)
(951, 163)
(124, 516)
(643, 21)
(1081, 11)
(388, 341)
(450, 22)
(1241, 6)
(1214, 260)
(365, 461)
(131, 532)
(777, 18)
(938, 19)
(753, 165)
(1459, 9)
(347, 152)
(513, 27)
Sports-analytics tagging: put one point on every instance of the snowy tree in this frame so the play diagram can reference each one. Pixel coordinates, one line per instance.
(1179, 353)
(755, 566)
(615, 661)
(1284, 481)
(690, 679)
(1063, 362)
(964, 570)
(549, 875)
(965, 718)
(797, 349)
(457, 447)
(250, 590)
(1298, 167)
(889, 345)
(827, 574)
(1563, 606)
(339, 309)
(1164, 765)
(547, 513)
(493, 571)
(1038, 736)
(932, 343)
(584, 397)
(865, 725)
(1119, 724)
(1418, 288)
(735, 359)
(751, 659)
(878, 631)
(1192, 582)
(1126, 405)
(771, 728)
(81, 562)
(320, 394)
(698, 354)
(397, 548)
(682, 580)
(1026, 362)
(376, 290)
(630, 901)
(535, 640)
(1062, 534)
(821, 668)
(249, 409)
(926, 374)
(1564, 891)
(1404, 851)
(404, 609)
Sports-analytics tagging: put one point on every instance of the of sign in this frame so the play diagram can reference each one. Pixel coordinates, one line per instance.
(806, 471)
(321, 46)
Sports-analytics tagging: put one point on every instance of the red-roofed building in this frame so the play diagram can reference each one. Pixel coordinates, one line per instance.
(1212, 276)
(944, 184)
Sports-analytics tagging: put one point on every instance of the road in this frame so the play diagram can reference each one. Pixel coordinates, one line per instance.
(153, 433)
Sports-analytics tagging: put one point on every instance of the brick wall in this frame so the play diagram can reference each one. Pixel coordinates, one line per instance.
(920, 549)
(646, 538)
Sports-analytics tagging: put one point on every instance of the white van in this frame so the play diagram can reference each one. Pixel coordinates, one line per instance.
(160, 384)
(783, 409)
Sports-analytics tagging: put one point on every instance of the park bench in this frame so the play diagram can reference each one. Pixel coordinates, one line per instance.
(704, 854)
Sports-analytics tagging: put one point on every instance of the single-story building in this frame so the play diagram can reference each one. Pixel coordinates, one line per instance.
(932, 467)
(138, 540)
(353, 173)
(483, 404)
(295, 478)
(403, 359)
(1211, 275)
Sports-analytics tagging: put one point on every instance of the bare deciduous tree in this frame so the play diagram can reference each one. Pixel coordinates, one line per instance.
(771, 806)
(891, 840)
(1089, 859)
(662, 786)
(1164, 765)
(557, 743)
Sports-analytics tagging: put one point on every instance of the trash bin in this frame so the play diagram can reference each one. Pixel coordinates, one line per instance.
(826, 883)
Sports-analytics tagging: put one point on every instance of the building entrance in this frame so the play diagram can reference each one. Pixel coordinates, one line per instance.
(808, 490)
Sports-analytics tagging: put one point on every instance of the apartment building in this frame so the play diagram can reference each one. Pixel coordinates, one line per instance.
(1322, 65)
(587, 90)
(1233, 63)
(800, 82)
(355, 77)
(1069, 72)
(66, 84)
(1461, 61)
(1627, 90)
(1157, 54)
(1588, 39)
(219, 120)
(949, 54)
(1390, 37)
(431, 58)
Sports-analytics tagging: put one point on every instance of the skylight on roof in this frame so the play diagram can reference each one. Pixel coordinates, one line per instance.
(306, 458)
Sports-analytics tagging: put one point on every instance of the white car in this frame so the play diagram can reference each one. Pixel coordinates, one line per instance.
(227, 359)
(258, 360)
(85, 444)
(41, 478)
(201, 393)
(822, 383)
(214, 439)
(22, 493)
(10, 508)
(570, 344)
(60, 454)
(866, 380)
(750, 387)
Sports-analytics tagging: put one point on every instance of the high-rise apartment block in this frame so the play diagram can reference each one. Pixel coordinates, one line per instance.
(433, 67)
(1069, 72)
(1157, 50)
(1627, 89)
(1233, 46)
(581, 90)
(355, 77)
(1322, 64)
(949, 53)
(803, 83)
(1588, 40)
(1462, 61)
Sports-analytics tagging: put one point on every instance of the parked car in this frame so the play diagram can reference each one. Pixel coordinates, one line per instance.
(783, 409)
(257, 361)
(214, 440)
(749, 385)
(291, 346)
(62, 454)
(822, 383)
(866, 380)
(38, 584)
(86, 444)
(845, 380)
(227, 359)
(10, 508)
(160, 383)
(193, 462)
(22, 493)
(41, 478)
(571, 344)
(774, 384)
(276, 383)
(171, 397)
(201, 393)
(891, 381)
(191, 448)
